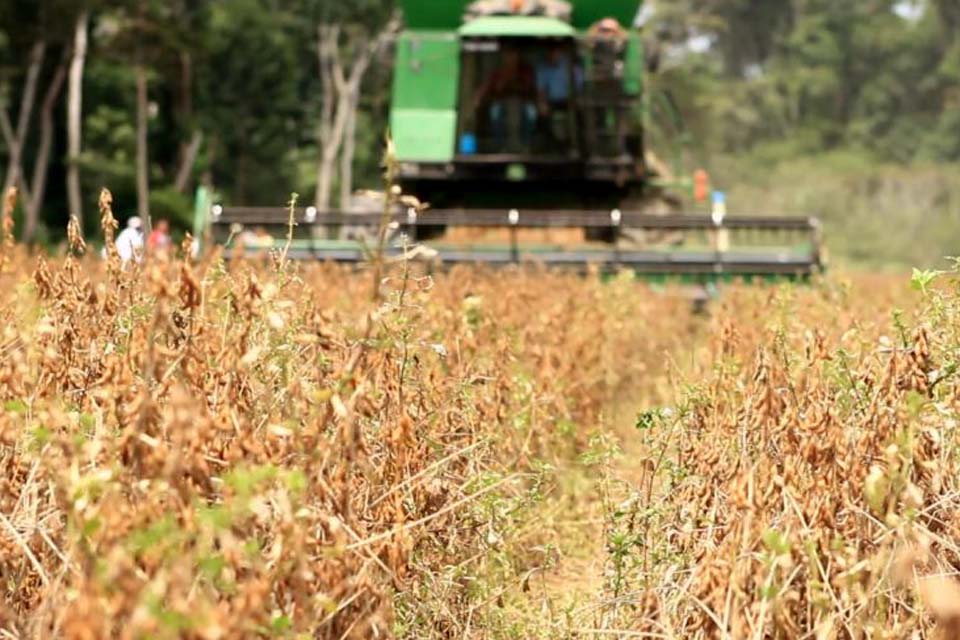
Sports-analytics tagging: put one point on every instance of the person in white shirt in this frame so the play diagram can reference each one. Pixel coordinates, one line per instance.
(130, 241)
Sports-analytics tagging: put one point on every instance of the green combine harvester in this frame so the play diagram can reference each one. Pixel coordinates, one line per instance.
(525, 128)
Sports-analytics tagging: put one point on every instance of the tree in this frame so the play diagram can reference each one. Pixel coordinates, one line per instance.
(46, 32)
(75, 115)
(38, 185)
(15, 137)
(157, 36)
(262, 97)
(143, 157)
(811, 75)
(138, 33)
(254, 93)
(344, 56)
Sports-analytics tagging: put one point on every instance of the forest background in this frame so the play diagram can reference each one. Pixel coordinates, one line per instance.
(846, 110)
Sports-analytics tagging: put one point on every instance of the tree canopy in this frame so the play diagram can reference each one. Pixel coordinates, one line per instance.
(235, 96)
(881, 76)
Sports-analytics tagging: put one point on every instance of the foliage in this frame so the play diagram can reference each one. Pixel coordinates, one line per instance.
(242, 73)
(169, 204)
(822, 75)
(769, 84)
(875, 215)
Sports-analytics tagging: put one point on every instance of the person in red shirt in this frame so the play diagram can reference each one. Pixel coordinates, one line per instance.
(159, 239)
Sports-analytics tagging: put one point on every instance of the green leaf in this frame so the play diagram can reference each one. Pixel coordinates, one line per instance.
(648, 419)
(281, 623)
(217, 517)
(41, 436)
(920, 280)
(776, 542)
(245, 481)
(296, 481)
(211, 566)
(159, 532)
(251, 548)
(15, 406)
(91, 526)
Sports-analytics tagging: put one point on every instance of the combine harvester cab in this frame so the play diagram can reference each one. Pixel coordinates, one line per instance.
(524, 127)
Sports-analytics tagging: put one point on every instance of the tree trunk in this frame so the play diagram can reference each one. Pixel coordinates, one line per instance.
(27, 99)
(349, 146)
(324, 182)
(10, 138)
(949, 13)
(143, 162)
(42, 163)
(327, 42)
(338, 115)
(328, 162)
(187, 160)
(187, 153)
(74, 116)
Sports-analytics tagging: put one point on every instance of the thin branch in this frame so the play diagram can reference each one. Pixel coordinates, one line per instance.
(38, 183)
(433, 516)
(18, 538)
(18, 137)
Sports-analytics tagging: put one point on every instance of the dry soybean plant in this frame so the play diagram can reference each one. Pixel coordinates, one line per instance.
(231, 449)
(212, 449)
(806, 486)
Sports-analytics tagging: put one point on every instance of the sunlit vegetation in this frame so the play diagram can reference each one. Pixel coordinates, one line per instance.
(220, 449)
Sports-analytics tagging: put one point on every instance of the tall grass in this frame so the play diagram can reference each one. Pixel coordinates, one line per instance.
(875, 216)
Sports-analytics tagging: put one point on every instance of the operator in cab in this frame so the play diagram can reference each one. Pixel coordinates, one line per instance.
(554, 77)
(559, 80)
(508, 99)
